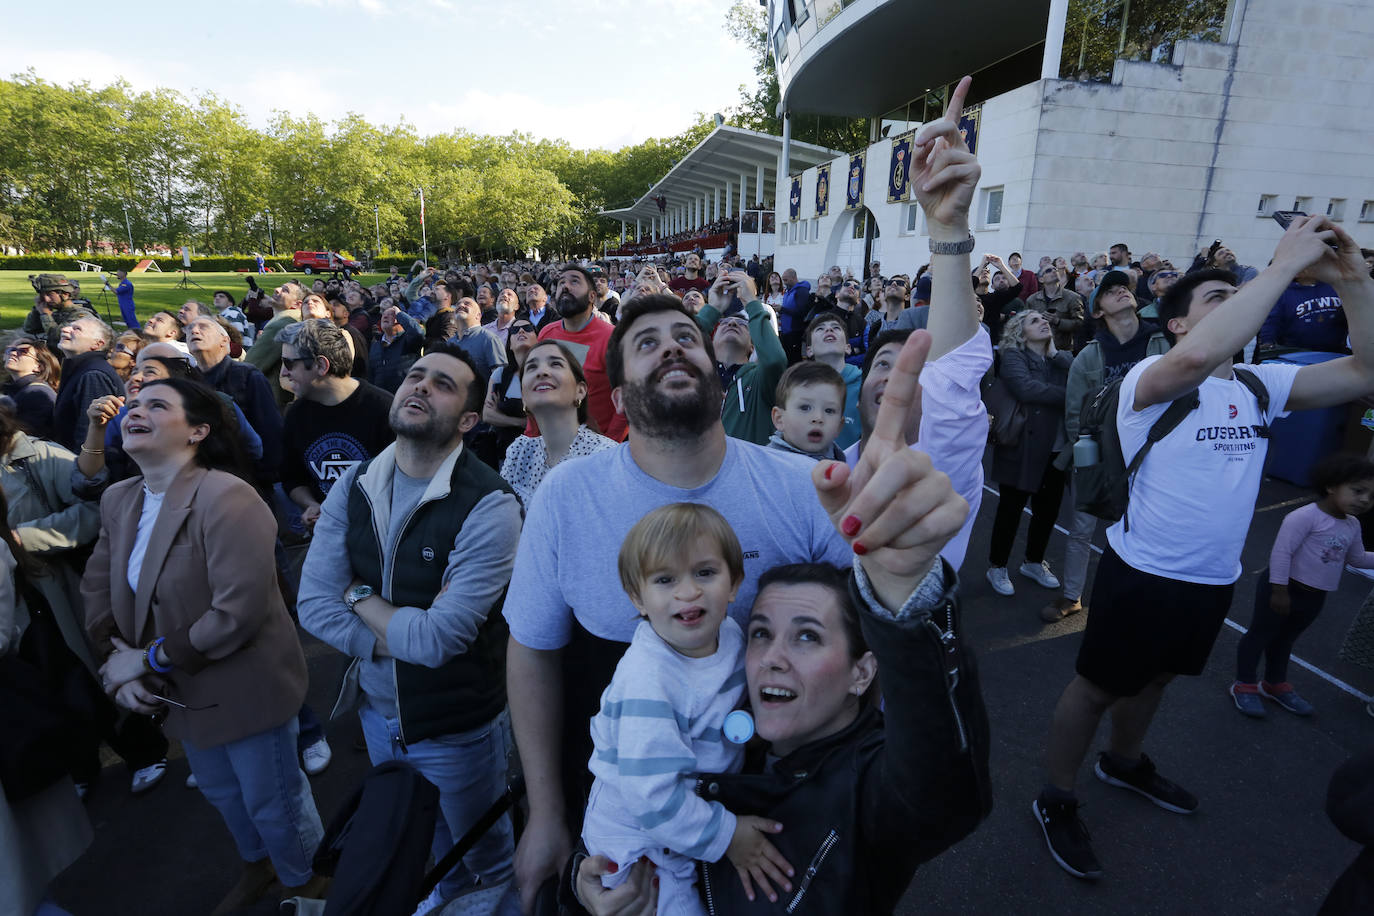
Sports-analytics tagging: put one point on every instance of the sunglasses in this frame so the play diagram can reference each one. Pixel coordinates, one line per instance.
(522, 329)
(23, 350)
(1167, 274)
(290, 364)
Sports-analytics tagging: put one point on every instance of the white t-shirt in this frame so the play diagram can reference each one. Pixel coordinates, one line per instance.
(152, 505)
(1194, 495)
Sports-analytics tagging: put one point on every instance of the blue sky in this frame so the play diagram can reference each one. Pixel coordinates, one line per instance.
(598, 73)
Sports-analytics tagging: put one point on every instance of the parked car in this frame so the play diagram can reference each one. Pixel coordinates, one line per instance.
(325, 262)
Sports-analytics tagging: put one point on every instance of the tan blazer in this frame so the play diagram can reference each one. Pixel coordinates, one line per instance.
(208, 586)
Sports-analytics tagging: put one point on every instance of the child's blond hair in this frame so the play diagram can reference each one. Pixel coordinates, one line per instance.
(666, 533)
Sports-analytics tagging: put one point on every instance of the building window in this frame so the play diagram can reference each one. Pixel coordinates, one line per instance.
(816, 229)
(1335, 209)
(1268, 203)
(992, 207)
(1303, 205)
(794, 233)
(912, 218)
(1367, 211)
(804, 227)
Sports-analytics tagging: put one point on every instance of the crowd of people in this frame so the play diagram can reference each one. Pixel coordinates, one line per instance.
(678, 540)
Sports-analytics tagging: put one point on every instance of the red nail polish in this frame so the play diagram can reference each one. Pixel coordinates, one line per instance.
(612, 868)
(859, 548)
(828, 471)
(851, 525)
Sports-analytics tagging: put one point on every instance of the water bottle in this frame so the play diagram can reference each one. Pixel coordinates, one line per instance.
(1085, 452)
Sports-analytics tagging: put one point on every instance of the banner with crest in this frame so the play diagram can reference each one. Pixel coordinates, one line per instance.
(968, 128)
(823, 189)
(854, 187)
(899, 174)
(794, 200)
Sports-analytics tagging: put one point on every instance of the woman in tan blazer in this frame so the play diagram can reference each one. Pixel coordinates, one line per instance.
(182, 601)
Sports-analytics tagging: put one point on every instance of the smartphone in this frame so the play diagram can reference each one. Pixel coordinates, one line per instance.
(1285, 217)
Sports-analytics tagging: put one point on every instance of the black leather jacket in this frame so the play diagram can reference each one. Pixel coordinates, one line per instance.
(863, 808)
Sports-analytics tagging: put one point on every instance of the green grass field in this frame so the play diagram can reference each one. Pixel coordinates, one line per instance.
(152, 291)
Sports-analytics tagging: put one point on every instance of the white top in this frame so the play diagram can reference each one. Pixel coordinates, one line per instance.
(660, 722)
(152, 505)
(527, 459)
(1194, 495)
(954, 427)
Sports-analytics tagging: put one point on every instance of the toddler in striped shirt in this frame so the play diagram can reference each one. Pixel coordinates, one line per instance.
(662, 716)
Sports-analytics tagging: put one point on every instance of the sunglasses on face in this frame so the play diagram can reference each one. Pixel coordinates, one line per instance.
(290, 364)
(1166, 275)
(125, 349)
(24, 350)
(522, 329)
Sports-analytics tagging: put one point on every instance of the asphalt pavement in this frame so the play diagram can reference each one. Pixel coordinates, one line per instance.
(1259, 844)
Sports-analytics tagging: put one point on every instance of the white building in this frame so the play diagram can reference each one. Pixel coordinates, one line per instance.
(1204, 143)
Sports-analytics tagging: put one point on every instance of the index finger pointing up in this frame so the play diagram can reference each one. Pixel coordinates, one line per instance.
(956, 99)
(900, 397)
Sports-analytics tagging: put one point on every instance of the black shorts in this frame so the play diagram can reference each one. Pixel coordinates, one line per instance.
(1141, 626)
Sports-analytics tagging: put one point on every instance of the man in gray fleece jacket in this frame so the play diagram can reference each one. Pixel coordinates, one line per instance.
(1122, 340)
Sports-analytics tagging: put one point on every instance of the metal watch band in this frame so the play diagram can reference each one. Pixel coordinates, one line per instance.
(963, 247)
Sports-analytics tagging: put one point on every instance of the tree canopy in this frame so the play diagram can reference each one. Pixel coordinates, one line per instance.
(83, 164)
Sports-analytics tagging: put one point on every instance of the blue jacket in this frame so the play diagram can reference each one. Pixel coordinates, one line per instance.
(795, 305)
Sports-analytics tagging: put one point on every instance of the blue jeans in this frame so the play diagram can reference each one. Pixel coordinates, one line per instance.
(469, 770)
(264, 798)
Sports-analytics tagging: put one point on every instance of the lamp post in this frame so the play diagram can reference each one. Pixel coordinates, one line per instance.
(424, 240)
(271, 245)
(377, 218)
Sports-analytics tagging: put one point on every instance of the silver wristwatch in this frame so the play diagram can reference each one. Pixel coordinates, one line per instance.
(963, 247)
(355, 594)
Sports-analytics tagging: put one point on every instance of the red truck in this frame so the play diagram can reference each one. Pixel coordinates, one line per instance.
(325, 262)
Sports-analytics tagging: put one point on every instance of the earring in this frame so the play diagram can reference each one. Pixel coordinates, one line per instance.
(577, 403)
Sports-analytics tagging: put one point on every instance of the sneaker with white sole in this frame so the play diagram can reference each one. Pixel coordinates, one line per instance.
(1040, 572)
(1144, 779)
(316, 757)
(1284, 695)
(1067, 838)
(147, 777)
(1247, 697)
(1000, 581)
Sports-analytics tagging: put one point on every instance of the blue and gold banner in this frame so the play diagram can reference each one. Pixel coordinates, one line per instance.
(854, 188)
(822, 190)
(968, 128)
(899, 174)
(794, 200)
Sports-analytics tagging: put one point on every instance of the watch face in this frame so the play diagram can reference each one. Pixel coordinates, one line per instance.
(360, 592)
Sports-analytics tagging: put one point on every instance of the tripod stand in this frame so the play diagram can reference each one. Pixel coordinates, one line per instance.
(186, 282)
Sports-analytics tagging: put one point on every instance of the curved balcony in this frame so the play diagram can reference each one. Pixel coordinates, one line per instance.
(863, 58)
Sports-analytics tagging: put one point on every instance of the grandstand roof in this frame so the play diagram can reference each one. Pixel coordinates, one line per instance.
(725, 154)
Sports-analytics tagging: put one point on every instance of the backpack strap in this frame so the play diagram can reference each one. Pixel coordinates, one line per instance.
(1167, 423)
(1250, 380)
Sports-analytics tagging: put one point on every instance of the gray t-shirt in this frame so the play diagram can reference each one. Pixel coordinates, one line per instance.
(565, 566)
(375, 676)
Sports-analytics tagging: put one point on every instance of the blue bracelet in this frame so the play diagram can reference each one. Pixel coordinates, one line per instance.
(152, 657)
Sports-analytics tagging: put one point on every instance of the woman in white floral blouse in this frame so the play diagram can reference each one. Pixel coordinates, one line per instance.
(555, 393)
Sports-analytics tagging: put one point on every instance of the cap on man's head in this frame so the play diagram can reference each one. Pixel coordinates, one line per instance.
(1110, 279)
(46, 283)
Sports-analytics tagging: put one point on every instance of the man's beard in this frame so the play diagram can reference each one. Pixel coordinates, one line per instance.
(681, 415)
(570, 306)
(432, 430)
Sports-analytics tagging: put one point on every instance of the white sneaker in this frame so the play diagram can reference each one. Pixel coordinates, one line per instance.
(316, 757)
(1000, 581)
(147, 777)
(430, 903)
(191, 781)
(1040, 572)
